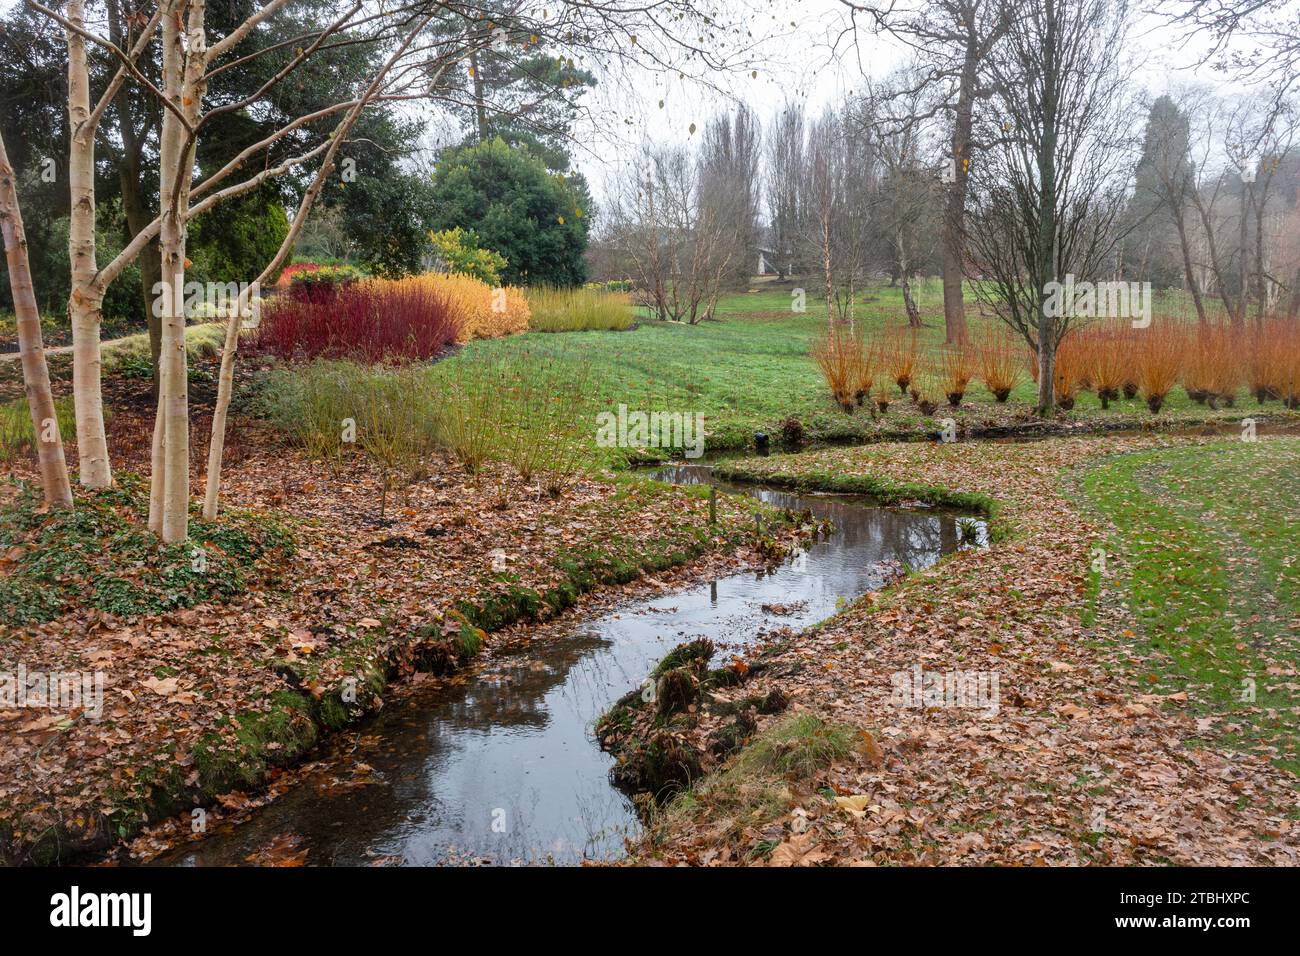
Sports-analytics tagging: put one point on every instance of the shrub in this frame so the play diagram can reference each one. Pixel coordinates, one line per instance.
(531, 413)
(1287, 374)
(999, 363)
(320, 281)
(460, 252)
(957, 367)
(612, 285)
(393, 412)
(483, 312)
(1108, 355)
(578, 310)
(925, 392)
(1068, 370)
(1211, 373)
(864, 366)
(535, 219)
(375, 321)
(1159, 362)
(899, 357)
(527, 410)
(837, 354)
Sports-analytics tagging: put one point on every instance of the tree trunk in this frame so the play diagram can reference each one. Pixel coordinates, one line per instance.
(828, 271)
(36, 374)
(480, 107)
(1243, 266)
(1045, 244)
(1261, 269)
(1194, 286)
(84, 303)
(1047, 367)
(954, 217)
(170, 490)
(909, 303)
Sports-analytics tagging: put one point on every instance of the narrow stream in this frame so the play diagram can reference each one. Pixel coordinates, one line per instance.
(500, 765)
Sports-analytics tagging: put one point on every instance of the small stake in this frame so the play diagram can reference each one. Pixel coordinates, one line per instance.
(713, 505)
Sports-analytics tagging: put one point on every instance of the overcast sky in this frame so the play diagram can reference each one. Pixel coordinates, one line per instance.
(807, 56)
(801, 52)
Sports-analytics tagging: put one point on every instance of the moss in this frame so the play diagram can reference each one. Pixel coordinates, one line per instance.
(267, 738)
(698, 651)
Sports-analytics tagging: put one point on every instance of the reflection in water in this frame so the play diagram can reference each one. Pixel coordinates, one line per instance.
(500, 764)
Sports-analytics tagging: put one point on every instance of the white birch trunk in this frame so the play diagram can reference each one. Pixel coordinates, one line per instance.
(36, 374)
(85, 300)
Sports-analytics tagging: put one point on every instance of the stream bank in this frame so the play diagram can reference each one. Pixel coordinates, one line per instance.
(500, 764)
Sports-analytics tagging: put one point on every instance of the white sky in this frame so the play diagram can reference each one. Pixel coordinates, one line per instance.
(799, 62)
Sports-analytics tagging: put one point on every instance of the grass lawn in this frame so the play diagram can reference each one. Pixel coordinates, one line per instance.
(1208, 546)
(749, 368)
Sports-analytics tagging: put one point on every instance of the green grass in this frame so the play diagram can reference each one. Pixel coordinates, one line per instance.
(17, 438)
(750, 368)
(201, 338)
(1207, 539)
(752, 790)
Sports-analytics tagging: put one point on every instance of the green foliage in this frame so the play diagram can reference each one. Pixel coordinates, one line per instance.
(387, 219)
(460, 251)
(535, 219)
(578, 310)
(123, 306)
(102, 555)
(17, 439)
(236, 243)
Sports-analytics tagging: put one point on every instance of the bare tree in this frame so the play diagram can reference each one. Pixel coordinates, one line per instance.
(908, 189)
(678, 244)
(1270, 30)
(953, 41)
(840, 180)
(1048, 199)
(730, 152)
(784, 184)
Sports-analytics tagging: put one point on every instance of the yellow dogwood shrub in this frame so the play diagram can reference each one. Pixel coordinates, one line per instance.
(485, 313)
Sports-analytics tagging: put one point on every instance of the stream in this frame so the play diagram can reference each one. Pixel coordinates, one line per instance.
(500, 765)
